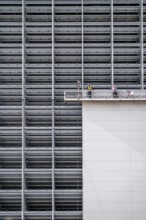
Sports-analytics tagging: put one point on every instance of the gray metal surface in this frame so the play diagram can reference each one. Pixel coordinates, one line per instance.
(96, 42)
(53, 113)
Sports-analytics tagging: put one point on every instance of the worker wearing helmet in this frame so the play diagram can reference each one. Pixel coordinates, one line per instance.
(89, 93)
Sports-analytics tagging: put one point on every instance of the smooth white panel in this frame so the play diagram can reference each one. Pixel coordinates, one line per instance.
(108, 207)
(114, 161)
(107, 176)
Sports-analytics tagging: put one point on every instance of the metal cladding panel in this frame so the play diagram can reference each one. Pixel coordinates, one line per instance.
(114, 147)
(45, 47)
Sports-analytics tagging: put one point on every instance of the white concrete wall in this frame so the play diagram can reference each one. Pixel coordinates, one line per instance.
(114, 161)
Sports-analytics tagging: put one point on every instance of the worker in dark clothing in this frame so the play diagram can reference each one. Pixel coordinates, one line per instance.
(78, 88)
(89, 93)
(115, 93)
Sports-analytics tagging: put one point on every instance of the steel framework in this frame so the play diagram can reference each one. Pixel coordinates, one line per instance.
(45, 47)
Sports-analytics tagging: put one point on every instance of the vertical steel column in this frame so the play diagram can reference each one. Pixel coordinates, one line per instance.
(82, 84)
(82, 46)
(112, 47)
(23, 113)
(53, 115)
(141, 44)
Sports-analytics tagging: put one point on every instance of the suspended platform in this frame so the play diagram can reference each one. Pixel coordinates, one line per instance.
(105, 95)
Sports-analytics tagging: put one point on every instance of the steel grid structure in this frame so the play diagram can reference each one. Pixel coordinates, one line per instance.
(45, 47)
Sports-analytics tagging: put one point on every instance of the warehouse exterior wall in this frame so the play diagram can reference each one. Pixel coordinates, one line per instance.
(114, 160)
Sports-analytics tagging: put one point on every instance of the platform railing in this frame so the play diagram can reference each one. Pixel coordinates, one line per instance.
(105, 94)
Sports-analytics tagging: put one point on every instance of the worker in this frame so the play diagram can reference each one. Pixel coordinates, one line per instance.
(130, 94)
(78, 88)
(115, 93)
(89, 93)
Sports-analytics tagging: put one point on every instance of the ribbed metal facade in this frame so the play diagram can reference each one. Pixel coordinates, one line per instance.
(45, 47)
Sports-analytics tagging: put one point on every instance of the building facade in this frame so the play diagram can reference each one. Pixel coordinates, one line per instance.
(45, 47)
